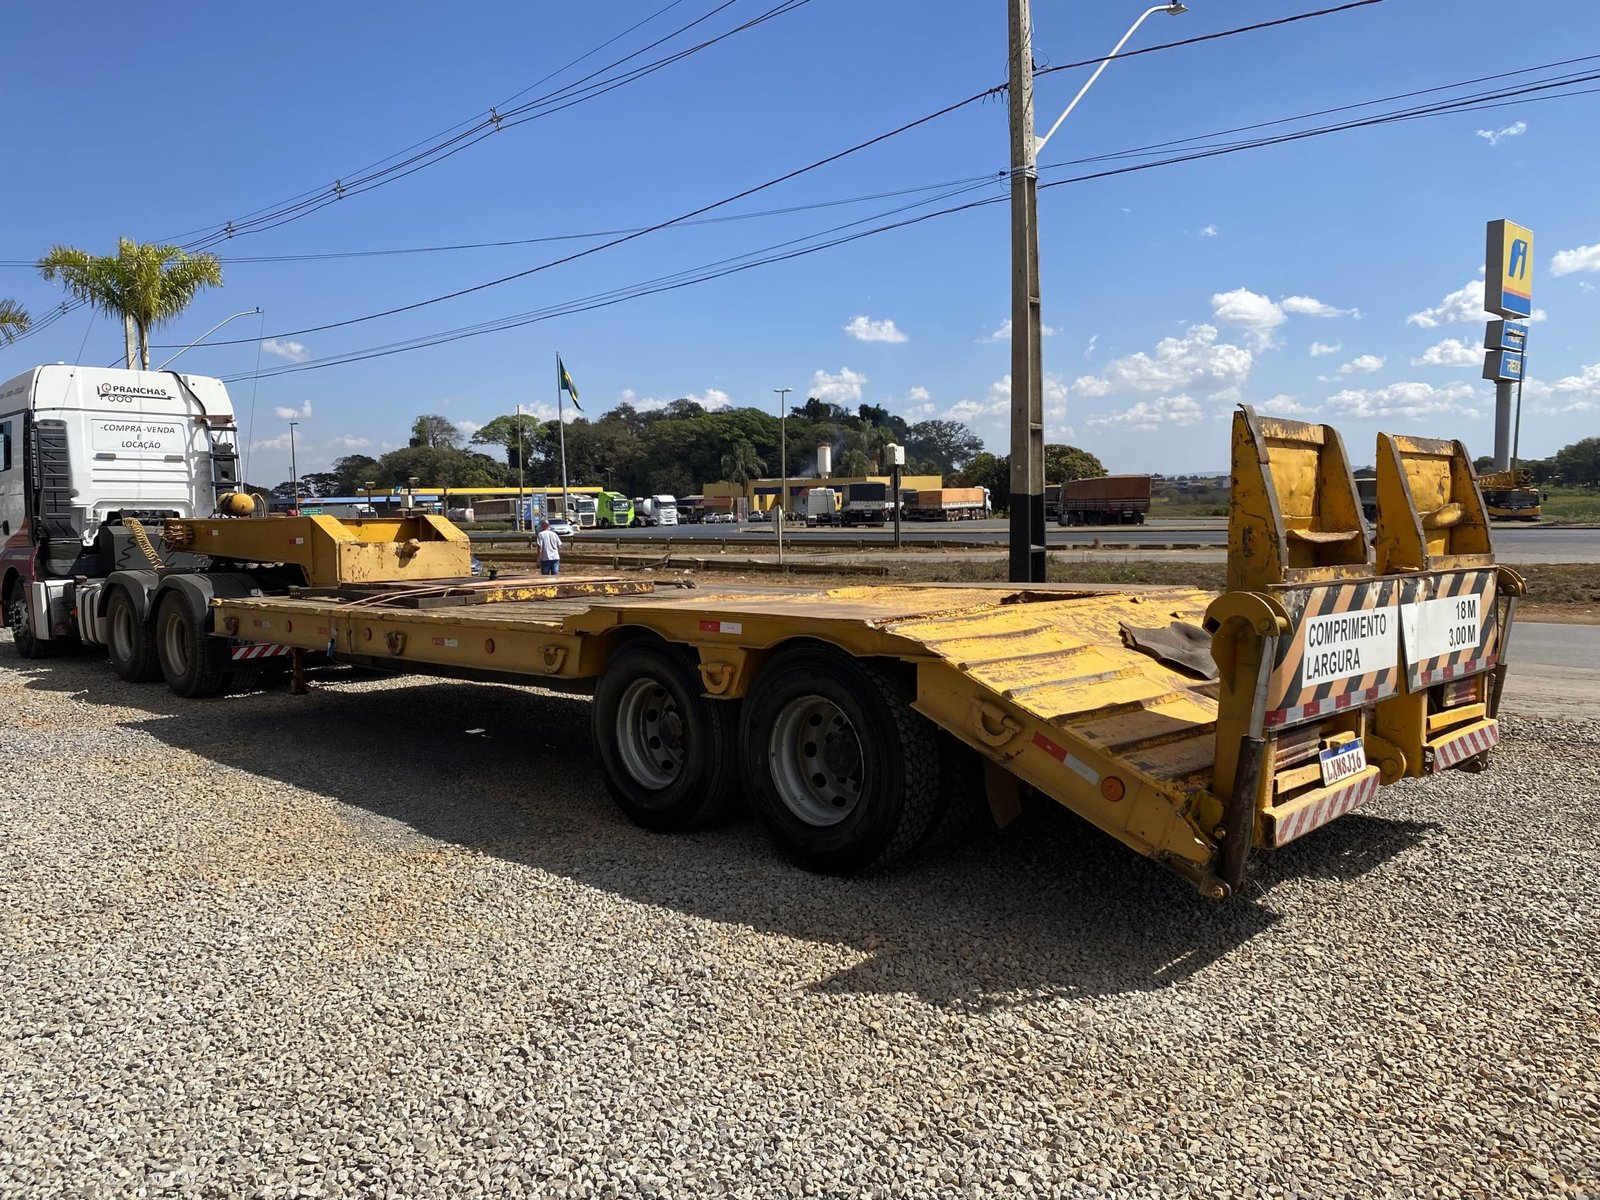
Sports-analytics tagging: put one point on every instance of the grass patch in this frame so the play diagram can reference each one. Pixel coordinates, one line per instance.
(1579, 506)
(1189, 505)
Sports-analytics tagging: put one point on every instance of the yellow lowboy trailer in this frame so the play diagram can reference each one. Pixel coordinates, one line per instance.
(861, 721)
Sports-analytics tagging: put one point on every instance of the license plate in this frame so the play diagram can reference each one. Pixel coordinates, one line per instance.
(1341, 762)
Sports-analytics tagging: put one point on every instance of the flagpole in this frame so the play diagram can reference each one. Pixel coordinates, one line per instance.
(521, 454)
(561, 422)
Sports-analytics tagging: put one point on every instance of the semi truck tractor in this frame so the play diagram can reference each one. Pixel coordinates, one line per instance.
(1106, 500)
(92, 461)
(655, 510)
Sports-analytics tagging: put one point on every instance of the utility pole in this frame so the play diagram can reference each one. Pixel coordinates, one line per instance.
(1027, 388)
(783, 461)
(294, 469)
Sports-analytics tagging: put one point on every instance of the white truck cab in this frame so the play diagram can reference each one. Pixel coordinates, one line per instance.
(82, 449)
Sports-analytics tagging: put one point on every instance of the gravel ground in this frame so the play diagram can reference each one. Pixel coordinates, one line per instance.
(399, 943)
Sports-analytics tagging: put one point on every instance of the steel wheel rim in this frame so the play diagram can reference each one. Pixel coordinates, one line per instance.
(175, 645)
(816, 761)
(122, 632)
(650, 734)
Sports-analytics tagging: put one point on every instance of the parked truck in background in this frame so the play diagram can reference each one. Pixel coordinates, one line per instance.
(866, 504)
(822, 506)
(655, 510)
(945, 504)
(614, 510)
(1511, 496)
(1105, 500)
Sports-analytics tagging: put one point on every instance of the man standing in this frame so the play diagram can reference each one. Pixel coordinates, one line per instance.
(549, 550)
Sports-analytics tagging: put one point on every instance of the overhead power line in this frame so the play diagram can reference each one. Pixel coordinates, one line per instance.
(833, 238)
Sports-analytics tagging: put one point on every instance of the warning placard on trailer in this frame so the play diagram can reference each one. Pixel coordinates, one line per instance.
(1343, 650)
(1448, 626)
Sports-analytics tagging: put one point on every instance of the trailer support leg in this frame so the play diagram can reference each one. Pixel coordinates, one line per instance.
(297, 673)
(1239, 822)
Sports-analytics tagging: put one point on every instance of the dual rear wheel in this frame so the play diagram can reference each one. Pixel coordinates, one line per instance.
(834, 762)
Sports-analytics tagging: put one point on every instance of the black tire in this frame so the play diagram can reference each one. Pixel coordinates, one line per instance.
(648, 702)
(963, 805)
(862, 794)
(130, 642)
(181, 648)
(23, 639)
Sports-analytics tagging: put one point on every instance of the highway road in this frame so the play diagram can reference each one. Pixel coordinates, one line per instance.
(1554, 670)
(1207, 540)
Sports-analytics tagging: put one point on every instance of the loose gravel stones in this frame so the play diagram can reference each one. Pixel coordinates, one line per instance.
(344, 945)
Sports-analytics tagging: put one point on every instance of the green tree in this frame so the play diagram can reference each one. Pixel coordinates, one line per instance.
(143, 283)
(517, 433)
(440, 466)
(435, 432)
(741, 464)
(1062, 463)
(948, 445)
(990, 471)
(854, 462)
(1579, 463)
(14, 319)
(354, 472)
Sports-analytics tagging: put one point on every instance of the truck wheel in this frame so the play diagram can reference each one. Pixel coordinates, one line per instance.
(668, 752)
(23, 640)
(181, 649)
(129, 644)
(839, 768)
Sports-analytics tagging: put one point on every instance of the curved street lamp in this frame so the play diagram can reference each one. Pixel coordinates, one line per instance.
(249, 312)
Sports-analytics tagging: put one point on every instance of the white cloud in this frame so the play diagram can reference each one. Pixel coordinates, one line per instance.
(1209, 231)
(843, 388)
(1463, 306)
(1585, 285)
(1284, 405)
(1319, 349)
(1569, 394)
(468, 428)
(1310, 306)
(281, 442)
(1362, 364)
(1408, 400)
(991, 412)
(347, 441)
(1197, 359)
(293, 351)
(1258, 315)
(917, 395)
(1094, 340)
(1002, 332)
(1580, 258)
(864, 329)
(1452, 352)
(1495, 136)
(1149, 415)
(1460, 307)
(711, 399)
(292, 414)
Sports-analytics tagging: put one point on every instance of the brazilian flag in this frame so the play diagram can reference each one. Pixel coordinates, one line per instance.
(564, 382)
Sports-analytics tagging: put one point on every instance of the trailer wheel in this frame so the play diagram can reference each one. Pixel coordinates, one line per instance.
(840, 769)
(667, 751)
(181, 649)
(26, 643)
(129, 644)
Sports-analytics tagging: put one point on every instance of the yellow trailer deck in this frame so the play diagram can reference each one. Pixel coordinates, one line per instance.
(859, 722)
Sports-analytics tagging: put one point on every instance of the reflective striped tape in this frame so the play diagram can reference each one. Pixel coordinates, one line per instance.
(1313, 816)
(1459, 749)
(259, 650)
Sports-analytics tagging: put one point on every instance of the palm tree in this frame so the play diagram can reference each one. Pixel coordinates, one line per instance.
(14, 319)
(853, 463)
(742, 464)
(143, 283)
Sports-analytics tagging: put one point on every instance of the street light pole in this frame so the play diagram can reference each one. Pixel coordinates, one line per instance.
(783, 461)
(249, 312)
(294, 468)
(1027, 542)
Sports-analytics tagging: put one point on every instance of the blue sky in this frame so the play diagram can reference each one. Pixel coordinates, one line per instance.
(1332, 278)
